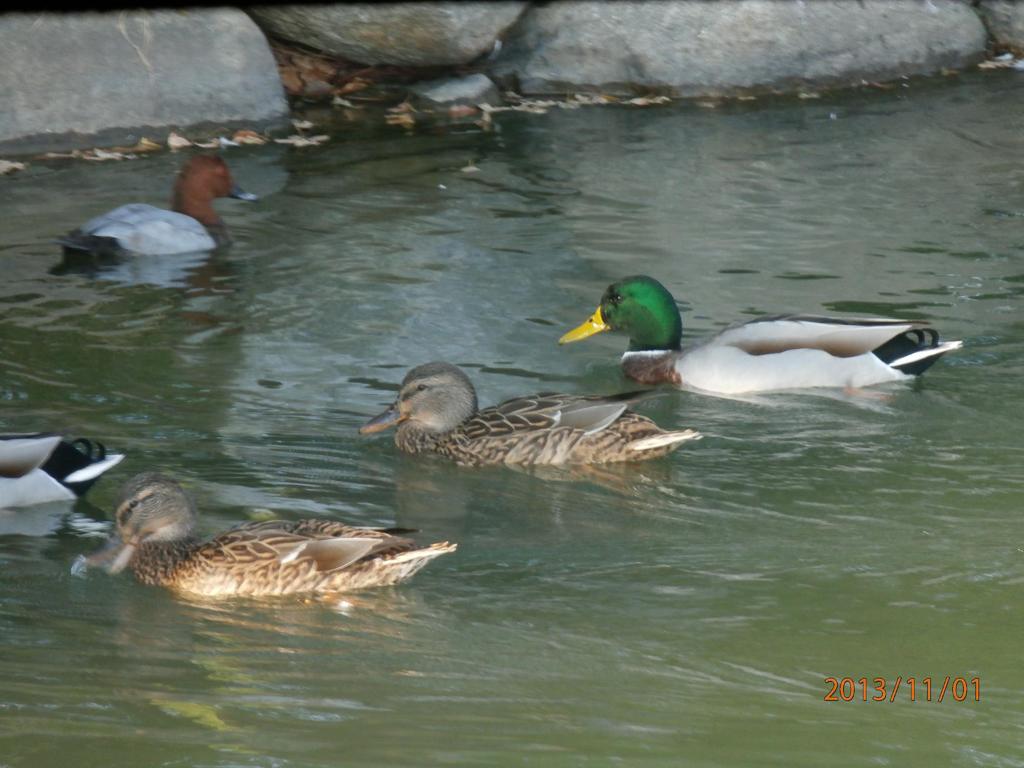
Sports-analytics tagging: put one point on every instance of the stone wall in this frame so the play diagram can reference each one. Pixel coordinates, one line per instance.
(88, 77)
(67, 77)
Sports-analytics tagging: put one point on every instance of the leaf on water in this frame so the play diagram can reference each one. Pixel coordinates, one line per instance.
(144, 145)
(302, 125)
(470, 168)
(646, 101)
(746, 97)
(176, 141)
(1005, 61)
(202, 714)
(808, 95)
(590, 99)
(303, 141)
(100, 155)
(337, 101)
(400, 109)
(461, 110)
(248, 136)
(10, 166)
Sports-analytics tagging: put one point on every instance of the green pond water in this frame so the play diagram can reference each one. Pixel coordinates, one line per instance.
(685, 611)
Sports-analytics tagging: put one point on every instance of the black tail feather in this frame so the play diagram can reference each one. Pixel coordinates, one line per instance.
(914, 340)
(72, 456)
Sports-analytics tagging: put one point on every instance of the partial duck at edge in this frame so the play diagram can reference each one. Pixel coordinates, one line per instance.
(40, 468)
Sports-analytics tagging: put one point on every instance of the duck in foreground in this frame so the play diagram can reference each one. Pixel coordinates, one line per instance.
(39, 468)
(769, 353)
(192, 224)
(155, 538)
(436, 412)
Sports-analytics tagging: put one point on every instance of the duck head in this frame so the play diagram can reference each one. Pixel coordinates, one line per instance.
(435, 398)
(639, 306)
(152, 508)
(201, 180)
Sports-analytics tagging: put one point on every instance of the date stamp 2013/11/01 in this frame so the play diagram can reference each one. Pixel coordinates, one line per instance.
(915, 688)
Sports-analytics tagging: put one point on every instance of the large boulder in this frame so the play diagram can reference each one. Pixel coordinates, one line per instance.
(409, 34)
(63, 75)
(693, 47)
(1005, 22)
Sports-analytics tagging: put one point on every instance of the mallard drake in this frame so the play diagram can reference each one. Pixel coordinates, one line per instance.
(769, 353)
(155, 538)
(138, 228)
(38, 468)
(436, 412)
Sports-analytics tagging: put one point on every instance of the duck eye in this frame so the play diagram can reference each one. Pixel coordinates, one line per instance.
(616, 298)
(421, 387)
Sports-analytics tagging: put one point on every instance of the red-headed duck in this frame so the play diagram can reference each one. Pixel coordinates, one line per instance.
(192, 224)
(38, 468)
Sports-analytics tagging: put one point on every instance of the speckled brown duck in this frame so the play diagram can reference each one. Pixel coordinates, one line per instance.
(436, 412)
(156, 540)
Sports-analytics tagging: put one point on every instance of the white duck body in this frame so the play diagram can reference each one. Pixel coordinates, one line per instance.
(146, 229)
(35, 469)
(799, 351)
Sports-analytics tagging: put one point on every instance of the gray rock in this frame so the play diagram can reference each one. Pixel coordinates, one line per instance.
(410, 34)
(474, 89)
(64, 75)
(1005, 22)
(692, 47)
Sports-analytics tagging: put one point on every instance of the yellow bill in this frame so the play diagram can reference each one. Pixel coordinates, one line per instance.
(594, 324)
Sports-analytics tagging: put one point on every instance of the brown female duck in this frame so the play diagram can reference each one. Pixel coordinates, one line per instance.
(436, 411)
(156, 539)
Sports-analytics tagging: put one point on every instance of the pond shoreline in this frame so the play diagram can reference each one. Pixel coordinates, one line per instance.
(210, 71)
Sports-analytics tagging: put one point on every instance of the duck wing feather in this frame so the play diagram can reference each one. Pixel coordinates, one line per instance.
(548, 410)
(838, 336)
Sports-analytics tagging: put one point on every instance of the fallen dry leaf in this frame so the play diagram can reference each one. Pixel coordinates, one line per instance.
(303, 141)
(10, 166)
(176, 141)
(808, 95)
(592, 99)
(461, 110)
(353, 85)
(302, 125)
(402, 118)
(1003, 61)
(646, 101)
(402, 108)
(470, 168)
(337, 101)
(248, 136)
(219, 143)
(144, 145)
(99, 155)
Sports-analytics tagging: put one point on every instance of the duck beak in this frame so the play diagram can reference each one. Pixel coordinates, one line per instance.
(114, 557)
(594, 324)
(241, 194)
(382, 421)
